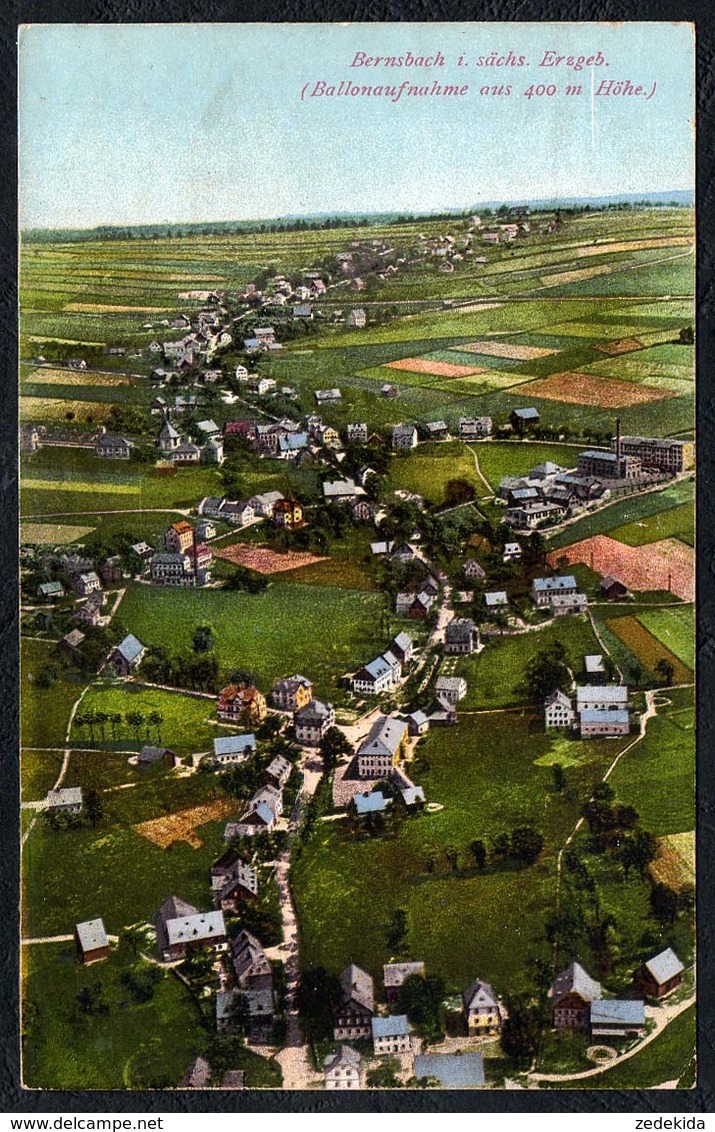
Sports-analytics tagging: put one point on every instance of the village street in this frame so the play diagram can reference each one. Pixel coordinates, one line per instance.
(295, 1058)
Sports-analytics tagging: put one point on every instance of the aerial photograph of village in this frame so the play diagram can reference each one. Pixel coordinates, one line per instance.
(357, 565)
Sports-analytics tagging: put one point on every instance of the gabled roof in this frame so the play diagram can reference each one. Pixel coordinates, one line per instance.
(664, 966)
(377, 668)
(599, 715)
(558, 697)
(553, 585)
(374, 803)
(453, 1071)
(394, 1026)
(194, 928)
(315, 711)
(234, 744)
(357, 985)
(395, 974)
(67, 796)
(346, 1055)
(278, 767)
(460, 629)
(403, 641)
(384, 737)
(91, 935)
(480, 995)
(498, 597)
(630, 1012)
(197, 1076)
(603, 693)
(577, 981)
(130, 648)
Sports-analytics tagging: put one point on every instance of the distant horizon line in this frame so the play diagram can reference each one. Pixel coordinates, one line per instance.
(534, 202)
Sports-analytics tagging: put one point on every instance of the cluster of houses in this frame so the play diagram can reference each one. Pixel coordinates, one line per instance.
(185, 561)
(182, 450)
(548, 492)
(559, 595)
(386, 671)
(416, 604)
(242, 513)
(360, 1018)
(600, 710)
(578, 1002)
(207, 332)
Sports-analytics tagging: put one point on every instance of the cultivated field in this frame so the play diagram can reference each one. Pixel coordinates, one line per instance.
(675, 628)
(584, 389)
(53, 534)
(428, 365)
(182, 826)
(510, 350)
(264, 560)
(674, 864)
(48, 376)
(663, 565)
(646, 647)
(645, 514)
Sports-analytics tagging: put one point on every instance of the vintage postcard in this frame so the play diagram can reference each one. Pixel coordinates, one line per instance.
(356, 386)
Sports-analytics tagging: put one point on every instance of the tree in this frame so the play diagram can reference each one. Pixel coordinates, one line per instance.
(603, 792)
(544, 673)
(156, 719)
(422, 1000)
(526, 844)
(203, 639)
(559, 777)
(664, 669)
(318, 996)
(135, 719)
(478, 851)
(385, 1075)
(458, 491)
(521, 1031)
(332, 746)
(500, 846)
(91, 999)
(646, 850)
(140, 981)
(93, 808)
(396, 931)
(664, 903)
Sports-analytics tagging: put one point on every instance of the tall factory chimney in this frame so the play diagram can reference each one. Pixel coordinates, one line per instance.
(618, 441)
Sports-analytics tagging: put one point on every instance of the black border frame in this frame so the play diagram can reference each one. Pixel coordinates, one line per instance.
(13, 1098)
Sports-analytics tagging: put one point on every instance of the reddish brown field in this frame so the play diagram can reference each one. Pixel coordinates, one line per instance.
(647, 648)
(182, 826)
(666, 564)
(433, 366)
(587, 389)
(264, 560)
(622, 346)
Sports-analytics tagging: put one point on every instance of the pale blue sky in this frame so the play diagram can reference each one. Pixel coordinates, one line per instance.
(127, 124)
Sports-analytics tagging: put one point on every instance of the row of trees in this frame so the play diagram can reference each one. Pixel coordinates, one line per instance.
(144, 725)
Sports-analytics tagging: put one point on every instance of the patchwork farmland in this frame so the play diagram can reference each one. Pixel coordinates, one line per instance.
(582, 318)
